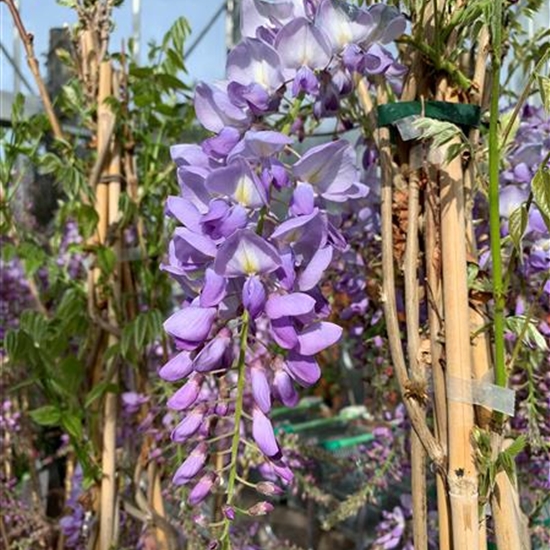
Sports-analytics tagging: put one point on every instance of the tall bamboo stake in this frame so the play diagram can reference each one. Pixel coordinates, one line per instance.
(107, 205)
(432, 240)
(462, 472)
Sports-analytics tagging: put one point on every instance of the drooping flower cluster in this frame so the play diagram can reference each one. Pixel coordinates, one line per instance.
(256, 231)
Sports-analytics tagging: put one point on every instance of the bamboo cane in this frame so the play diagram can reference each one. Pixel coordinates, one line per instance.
(462, 473)
(107, 201)
(432, 239)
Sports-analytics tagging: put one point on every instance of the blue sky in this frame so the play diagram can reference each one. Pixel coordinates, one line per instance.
(206, 63)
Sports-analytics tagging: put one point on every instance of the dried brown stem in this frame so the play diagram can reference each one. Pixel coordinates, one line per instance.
(414, 409)
(418, 455)
(27, 39)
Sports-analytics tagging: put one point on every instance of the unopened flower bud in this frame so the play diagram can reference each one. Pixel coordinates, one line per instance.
(229, 512)
(260, 509)
(268, 488)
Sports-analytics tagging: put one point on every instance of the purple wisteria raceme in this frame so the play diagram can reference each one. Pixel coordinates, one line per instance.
(258, 229)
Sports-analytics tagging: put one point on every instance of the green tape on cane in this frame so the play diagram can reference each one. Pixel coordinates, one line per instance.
(461, 114)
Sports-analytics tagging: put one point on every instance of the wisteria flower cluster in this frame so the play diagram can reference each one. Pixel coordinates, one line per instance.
(257, 231)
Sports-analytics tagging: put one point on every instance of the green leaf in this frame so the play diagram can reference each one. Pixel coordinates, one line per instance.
(71, 374)
(126, 339)
(516, 446)
(33, 257)
(140, 330)
(544, 89)
(50, 163)
(527, 329)
(18, 345)
(106, 259)
(73, 424)
(169, 81)
(35, 324)
(540, 187)
(98, 391)
(49, 415)
(517, 224)
(18, 109)
(87, 218)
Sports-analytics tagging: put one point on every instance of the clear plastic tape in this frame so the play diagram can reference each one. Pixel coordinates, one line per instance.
(481, 392)
(407, 130)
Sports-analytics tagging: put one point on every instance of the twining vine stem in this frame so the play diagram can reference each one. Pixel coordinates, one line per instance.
(236, 430)
(494, 213)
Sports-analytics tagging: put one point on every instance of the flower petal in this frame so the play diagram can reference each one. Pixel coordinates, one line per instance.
(214, 289)
(262, 431)
(318, 337)
(191, 325)
(187, 394)
(260, 388)
(245, 253)
(192, 465)
(314, 270)
(289, 305)
(177, 368)
(254, 296)
(284, 333)
(304, 370)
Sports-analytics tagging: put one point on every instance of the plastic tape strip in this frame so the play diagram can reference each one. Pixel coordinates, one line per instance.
(482, 392)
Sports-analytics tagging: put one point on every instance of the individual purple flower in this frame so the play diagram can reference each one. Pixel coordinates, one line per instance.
(284, 388)
(317, 337)
(222, 219)
(304, 369)
(255, 62)
(214, 355)
(190, 326)
(215, 110)
(261, 144)
(376, 60)
(245, 253)
(238, 181)
(301, 44)
(221, 145)
(187, 395)
(202, 489)
(132, 401)
(192, 466)
(264, 436)
(305, 82)
(214, 289)
(389, 24)
(261, 390)
(254, 296)
(343, 27)
(180, 366)
(330, 168)
(190, 424)
(289, 305)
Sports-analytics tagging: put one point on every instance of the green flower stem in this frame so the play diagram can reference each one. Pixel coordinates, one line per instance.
(292, 115)
(226, 543)
(494, 214)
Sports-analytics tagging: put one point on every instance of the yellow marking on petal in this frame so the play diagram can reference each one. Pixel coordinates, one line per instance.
(248, 261)
(243, 191)
(261, 72)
